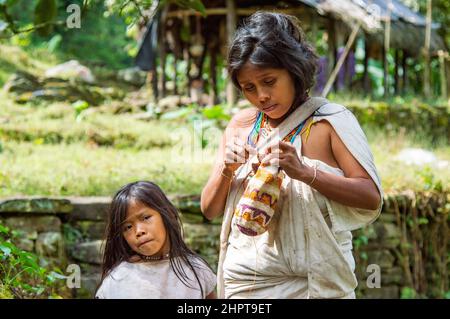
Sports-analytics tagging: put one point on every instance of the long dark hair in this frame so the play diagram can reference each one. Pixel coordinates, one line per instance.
(117, 249)
(274, 40)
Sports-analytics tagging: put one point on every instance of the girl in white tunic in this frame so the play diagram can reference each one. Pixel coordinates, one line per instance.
(293, 177)
(145, 255)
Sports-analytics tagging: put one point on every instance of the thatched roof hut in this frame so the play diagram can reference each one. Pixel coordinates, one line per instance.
(191, 37)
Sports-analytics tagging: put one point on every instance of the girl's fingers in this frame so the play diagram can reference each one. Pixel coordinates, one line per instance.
(285, 146)
(251, 150)
(269, 157)
(233, 157)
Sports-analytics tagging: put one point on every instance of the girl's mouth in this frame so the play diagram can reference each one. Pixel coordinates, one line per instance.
(270, 108)
(143, 243)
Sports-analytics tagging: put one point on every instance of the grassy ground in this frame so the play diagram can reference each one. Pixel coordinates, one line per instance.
(44, 150)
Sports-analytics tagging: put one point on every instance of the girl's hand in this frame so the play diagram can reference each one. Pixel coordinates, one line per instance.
(285, 156)
(236, 154)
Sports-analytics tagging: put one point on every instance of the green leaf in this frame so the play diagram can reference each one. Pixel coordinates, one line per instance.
(408, 293)
(196, 5)
(3, 26)
(216, 112)
(45, 12)
(6, 251)
(4, 229)
(80, 106)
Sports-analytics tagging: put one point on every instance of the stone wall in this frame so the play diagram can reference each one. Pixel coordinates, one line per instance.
(67, 231)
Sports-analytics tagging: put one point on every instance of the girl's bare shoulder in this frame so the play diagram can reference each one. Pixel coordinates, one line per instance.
(244, 118)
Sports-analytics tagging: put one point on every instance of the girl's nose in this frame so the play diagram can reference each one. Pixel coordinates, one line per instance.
(263, 96)
(139, 231)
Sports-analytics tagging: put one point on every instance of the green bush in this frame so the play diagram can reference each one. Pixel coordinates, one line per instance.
(20, 273)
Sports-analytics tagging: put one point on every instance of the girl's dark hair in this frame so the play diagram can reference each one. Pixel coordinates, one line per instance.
(117, 249)
(274, 40)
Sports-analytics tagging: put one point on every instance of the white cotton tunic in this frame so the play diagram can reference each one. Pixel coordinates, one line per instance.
(155, 280)
(306, 251)
(278, 256)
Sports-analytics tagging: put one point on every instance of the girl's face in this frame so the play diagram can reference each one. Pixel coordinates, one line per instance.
(272, 91)
(144, 230)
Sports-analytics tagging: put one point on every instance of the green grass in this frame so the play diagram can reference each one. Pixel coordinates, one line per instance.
(44, 150)
(14, 59)
(79, 169)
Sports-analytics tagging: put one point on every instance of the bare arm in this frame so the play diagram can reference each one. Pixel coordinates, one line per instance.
(355, 189)
(215, 192)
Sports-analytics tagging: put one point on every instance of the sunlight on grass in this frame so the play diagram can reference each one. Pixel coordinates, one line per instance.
(76, 169)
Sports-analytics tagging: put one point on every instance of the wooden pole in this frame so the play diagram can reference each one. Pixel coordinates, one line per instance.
(366, 83)
(404, 75)
(231, 28)
(162, 51)
(426, 53)
(387, 40)
(187, 57)
(213, 74)
(442, 55)
(341, 60)
(396, 79)
(175, 63)
(331, 46)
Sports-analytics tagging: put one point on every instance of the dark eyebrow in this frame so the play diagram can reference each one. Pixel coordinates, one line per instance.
(138, 215)
(269, 73)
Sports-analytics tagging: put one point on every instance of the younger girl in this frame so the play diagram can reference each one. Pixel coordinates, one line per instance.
(145, 255)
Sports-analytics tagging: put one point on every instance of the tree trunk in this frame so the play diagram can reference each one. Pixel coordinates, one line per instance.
(426, 53)
(397, 60)
(366, 80)
(405, 73)
(213, 74)
(332, 51)
(231, 28)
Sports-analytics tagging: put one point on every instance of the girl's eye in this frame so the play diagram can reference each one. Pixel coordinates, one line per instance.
(147, 217)
(127, 227)
(249, 88)
(270, 82)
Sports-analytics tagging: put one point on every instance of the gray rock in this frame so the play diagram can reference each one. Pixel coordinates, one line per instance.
(389, 292)
(392, 276)
(134, 76)
(90, 252)
(91, 229)
(25, 244)
(50, 244)
(21, 82)
(90, 208)
(36, 205)
(88, 286)
(387, 230)
(71, 70)
(31, 225)
(382, 258)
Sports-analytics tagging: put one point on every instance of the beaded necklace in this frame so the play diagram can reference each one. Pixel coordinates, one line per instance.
(153, 258)
(261, 122)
